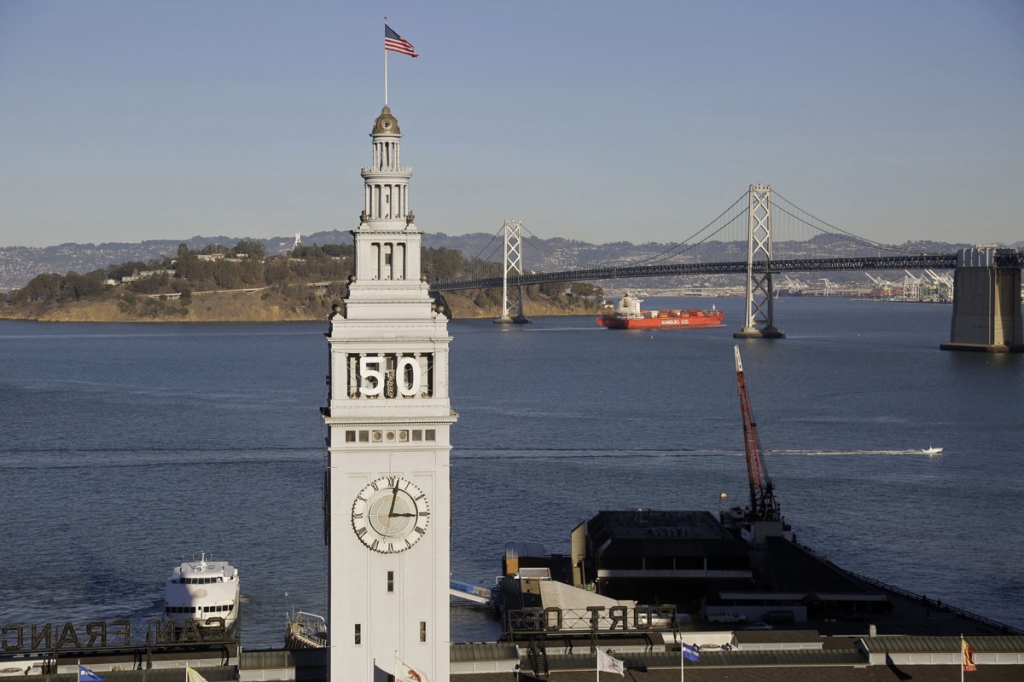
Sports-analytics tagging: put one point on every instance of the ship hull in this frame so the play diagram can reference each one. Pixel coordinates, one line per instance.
(687, 319)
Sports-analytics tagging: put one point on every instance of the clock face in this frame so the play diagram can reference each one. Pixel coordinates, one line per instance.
(390, 515)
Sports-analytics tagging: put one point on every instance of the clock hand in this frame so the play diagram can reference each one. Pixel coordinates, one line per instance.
(394, 498)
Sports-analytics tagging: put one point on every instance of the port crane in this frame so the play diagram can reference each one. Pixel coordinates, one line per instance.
(763, 505)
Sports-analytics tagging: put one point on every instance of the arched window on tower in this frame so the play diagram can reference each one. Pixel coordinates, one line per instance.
(400, 261)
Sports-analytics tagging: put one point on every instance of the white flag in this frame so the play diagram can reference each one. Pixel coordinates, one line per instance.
(406, 673)
(192, 676)
(607, 664)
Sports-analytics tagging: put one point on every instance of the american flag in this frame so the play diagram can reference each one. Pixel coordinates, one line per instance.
(396, 43)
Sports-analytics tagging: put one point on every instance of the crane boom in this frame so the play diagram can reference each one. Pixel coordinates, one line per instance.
(763, 506)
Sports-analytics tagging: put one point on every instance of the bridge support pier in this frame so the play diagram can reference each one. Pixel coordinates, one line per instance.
(760, 319)
(512, 298)
(986, 302)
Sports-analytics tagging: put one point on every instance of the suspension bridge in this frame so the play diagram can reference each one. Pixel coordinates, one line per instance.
(780, 238)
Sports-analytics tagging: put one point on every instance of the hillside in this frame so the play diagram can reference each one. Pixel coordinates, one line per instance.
(243, 284)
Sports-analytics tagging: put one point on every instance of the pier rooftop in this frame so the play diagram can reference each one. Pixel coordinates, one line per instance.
(793, 656)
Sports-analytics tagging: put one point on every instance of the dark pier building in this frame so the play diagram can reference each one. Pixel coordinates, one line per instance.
(690, 559)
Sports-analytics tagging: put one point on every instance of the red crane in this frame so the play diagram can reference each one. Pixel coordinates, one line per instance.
(763, 506)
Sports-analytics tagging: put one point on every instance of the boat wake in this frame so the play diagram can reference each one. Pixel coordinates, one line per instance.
(666, 453)
(841, 453)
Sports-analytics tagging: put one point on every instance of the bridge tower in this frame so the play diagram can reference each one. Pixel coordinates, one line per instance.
(986, 302)
(387, 490)
(512, 298)
(760, 321)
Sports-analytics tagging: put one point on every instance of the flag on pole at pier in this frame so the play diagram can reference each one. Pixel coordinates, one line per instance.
(396, 43)
(691, 652)
(86, 675)
(193, 676)
(968, 655)
(406, 673)
(609, 664)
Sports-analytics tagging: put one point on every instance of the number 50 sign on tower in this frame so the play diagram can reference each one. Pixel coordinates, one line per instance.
(390, 376)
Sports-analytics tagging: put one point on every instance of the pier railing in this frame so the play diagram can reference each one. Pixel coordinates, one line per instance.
(1008, 629)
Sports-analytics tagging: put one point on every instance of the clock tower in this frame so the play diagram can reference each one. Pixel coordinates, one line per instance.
(387, 488)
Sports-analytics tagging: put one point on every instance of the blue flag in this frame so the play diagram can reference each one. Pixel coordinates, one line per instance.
(691, 652)
(86, 675)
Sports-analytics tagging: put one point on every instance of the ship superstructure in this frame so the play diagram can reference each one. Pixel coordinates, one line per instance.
(204, 591)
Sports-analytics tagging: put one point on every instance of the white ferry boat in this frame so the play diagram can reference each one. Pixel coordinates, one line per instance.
(202, 590)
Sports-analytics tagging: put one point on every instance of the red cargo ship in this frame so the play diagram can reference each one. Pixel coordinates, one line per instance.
(629, 316)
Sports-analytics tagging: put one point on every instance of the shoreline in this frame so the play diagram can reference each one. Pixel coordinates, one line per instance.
(246, 308)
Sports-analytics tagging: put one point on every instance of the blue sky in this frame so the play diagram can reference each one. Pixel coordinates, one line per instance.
(125, 120)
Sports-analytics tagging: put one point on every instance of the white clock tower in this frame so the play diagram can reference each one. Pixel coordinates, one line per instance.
(387, 487)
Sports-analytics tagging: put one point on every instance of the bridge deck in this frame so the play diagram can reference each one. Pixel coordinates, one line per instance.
(907, 262)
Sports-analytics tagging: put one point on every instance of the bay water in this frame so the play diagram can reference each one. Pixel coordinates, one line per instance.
(125, 448)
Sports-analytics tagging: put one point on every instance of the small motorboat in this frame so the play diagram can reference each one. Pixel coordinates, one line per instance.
(932, 451)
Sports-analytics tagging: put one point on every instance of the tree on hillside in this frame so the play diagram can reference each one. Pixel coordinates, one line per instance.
(187, 264)
(62, 288)
(327, 250)
(126, 269)
(338, 250)
(75, 287)
(154, 284)
(250, 248)
(441, 263)
(585, 290)
(45, 287)
(278, 271)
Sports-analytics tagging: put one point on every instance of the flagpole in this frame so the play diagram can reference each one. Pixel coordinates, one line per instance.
(961, 657)
(386, 69)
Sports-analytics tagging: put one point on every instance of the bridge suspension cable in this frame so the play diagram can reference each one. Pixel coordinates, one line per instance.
(837, 231)
(539, 245)
(678, 249)
(475, 261)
